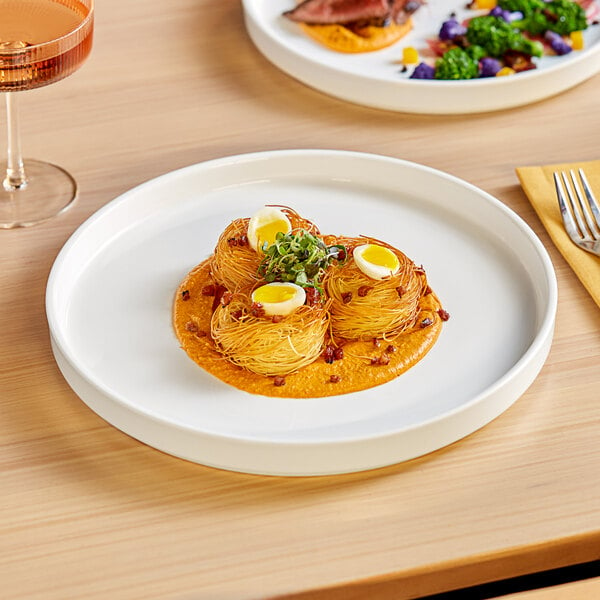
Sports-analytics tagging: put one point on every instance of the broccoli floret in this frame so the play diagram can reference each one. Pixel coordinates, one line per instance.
(496, 36)
(475, 52)
(560, 16)
(526, 7)
(456, 64)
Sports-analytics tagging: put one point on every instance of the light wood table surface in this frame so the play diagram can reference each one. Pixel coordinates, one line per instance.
(87, 512)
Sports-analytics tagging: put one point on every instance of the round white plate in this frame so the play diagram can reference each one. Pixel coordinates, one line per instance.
(374, 79)
(111, 288)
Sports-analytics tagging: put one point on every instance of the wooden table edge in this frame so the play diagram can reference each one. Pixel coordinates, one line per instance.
(457, 574)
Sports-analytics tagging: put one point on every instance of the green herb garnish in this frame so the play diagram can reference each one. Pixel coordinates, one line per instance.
(299, 257)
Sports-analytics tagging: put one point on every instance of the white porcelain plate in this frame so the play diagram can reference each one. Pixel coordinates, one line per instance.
(111, 288)
(375, 79)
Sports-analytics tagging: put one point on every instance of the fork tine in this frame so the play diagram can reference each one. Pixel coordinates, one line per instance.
(573, 205)
(581, 208)
(565, 210)
(590, 232)
(591, 200)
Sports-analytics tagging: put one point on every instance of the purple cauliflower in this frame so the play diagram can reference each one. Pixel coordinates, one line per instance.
(557, 43)
(423, 71)
(488, 66)
(451, 29)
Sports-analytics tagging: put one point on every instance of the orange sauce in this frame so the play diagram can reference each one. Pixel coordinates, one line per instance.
(366, 39)
(192, 313)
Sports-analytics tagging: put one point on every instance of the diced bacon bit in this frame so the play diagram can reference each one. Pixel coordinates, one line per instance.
(313, 296)
(341, 255)
(332, 353)
(185, 295)
(400, 290)
(335, 378)
(329, 354)
(226, 298)
(241, 240)
(277, 318)
(257, 310)
(237, 314)
(376, 342)
(420, 270)
(278, 381)
(426, 322)
(346, 297)
(363, 290)
(219, 291)
(391, 349)
(444, 315)
(191, 326)
(382, 360)
(209, 290)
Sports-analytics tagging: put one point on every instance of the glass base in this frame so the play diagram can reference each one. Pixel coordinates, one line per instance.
(49, 191)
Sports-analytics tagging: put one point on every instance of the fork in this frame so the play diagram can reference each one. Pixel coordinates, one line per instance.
(580, 217)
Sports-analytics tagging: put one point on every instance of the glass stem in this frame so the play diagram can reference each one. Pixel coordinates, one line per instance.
(15, 173)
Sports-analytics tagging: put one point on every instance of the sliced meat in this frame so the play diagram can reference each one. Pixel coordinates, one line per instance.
(328, 12)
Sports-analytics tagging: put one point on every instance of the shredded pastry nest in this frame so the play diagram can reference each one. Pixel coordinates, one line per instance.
(266, 346)
(362, 308)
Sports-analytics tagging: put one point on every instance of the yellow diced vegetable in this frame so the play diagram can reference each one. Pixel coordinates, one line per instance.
(577, 40)
(485, 4)
(505, 71)
(410, 56)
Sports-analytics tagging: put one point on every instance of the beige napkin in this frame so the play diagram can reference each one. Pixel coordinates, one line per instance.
(538, 184)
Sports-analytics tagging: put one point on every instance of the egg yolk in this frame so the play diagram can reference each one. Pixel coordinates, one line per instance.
(380, 256)
(268, 232)
(273, 294)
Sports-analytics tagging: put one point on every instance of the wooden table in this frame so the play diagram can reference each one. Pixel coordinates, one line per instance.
(87, 512)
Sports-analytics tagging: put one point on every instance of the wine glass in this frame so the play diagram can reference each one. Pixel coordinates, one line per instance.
(41, 42)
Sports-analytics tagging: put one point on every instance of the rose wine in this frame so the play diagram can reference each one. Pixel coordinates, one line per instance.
(42, 41)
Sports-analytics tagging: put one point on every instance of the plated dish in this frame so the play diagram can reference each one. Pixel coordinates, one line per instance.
(375, 78)
(281, 308)
(110, 293)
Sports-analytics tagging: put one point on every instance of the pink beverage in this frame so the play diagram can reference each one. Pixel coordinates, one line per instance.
(42, 41)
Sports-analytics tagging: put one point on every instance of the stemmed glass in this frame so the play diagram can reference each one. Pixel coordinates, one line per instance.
(41, 42)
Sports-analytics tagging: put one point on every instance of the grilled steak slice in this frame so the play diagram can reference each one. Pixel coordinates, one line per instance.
(329, 12)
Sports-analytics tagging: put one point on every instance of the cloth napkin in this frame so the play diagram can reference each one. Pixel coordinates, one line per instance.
(538, 184)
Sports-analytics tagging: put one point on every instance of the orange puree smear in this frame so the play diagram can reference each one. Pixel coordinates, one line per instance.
(353, 372)
(364, 39)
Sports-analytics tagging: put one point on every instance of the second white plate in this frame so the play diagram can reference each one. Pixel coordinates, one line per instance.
(110, 294)
(374, 78)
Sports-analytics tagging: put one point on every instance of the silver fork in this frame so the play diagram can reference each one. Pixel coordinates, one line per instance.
(580, 214)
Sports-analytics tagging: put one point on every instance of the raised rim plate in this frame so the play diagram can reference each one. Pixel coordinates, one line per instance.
(110, 293)
(374, 79)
